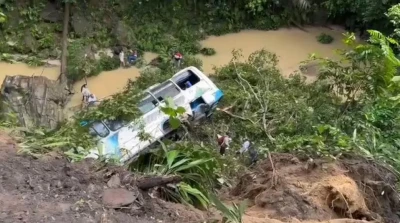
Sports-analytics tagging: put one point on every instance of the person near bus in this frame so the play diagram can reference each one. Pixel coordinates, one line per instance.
(177, 58)
(92, 100)
(85, 93)
(248, 146)
(132, 57)
(122, 58)
(223, 143)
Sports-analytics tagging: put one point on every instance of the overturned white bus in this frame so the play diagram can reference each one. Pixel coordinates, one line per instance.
(189, 88)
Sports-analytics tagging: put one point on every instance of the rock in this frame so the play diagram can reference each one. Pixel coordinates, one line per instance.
(81, 25)
(64, 207)
(50, 13)
(114, 182)
(295, 160)
(29, 41)
(124, 34)
(115, 198)
(320, 17)
(36, 100)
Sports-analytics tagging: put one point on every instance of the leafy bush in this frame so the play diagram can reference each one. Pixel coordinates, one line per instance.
(198, 166)
(232, 214)
(107, 63)
(208, 51)
(325, 38)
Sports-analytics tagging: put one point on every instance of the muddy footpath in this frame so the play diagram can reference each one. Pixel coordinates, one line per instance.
(281, 188)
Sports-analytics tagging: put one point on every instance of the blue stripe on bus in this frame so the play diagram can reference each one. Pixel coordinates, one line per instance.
(218, 95)
(112, 145)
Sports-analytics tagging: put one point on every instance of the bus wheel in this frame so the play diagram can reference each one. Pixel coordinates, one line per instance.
(212, 110)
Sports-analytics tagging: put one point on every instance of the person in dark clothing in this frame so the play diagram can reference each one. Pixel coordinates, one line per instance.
(132, 57)
(248, 146)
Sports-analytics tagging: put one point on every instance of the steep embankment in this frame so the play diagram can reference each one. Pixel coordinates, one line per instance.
(51, 189)
(287, 188)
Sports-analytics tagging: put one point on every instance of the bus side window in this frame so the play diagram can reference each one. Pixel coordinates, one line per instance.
(115, 125)
(92, 132)
(147, 104)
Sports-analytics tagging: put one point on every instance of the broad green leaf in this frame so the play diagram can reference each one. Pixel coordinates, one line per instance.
(180, 162)
(171, 155)
(396, 79)
(192, 164)
(175, 123)
(170, 103)
(180, 110)
(55, 144)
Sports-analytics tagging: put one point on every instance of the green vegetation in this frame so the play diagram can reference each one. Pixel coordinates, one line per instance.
(35, 27)
(351, 109)
(325, 38)
(232, 214)
(208, 51)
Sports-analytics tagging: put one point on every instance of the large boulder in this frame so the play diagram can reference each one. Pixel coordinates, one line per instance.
(124, 34)
(36, 100)
(29, 41)
(81, 25)
(51, 13)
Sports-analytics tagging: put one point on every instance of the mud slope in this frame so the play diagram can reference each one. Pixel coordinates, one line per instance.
(291, 190)
(53, 190)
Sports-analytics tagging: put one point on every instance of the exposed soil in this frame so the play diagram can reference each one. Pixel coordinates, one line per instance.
(51, 189)
(292, 190)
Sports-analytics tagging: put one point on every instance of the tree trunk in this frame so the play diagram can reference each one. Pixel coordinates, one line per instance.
(63, 75)
(150, 182)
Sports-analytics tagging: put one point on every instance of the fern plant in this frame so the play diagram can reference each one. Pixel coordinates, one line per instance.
(233, 214)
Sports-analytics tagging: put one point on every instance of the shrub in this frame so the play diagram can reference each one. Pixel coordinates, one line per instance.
(325, 38)
(208, 51)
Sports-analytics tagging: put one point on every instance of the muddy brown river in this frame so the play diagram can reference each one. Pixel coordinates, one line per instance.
(291, 45)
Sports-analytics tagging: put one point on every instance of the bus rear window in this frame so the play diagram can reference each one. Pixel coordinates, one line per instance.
(186, 80)
(100, 129)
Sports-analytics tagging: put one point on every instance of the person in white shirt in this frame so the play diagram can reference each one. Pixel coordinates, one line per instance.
(245, 146)
(92, 99)
(249, 147)
(122, 58)
(85, 93)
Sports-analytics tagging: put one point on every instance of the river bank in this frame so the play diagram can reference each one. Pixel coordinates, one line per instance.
(291, 45)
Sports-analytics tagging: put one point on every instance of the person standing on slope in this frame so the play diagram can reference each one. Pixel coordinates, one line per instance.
(122, 58)
(248, 146)
(177, 58)
(85, 93)
(223, 143)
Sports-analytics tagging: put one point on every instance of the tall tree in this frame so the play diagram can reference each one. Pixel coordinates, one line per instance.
(63, 75)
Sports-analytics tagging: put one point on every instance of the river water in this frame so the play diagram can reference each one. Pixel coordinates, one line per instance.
(291, 45)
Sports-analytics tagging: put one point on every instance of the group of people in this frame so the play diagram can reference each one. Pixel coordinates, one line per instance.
(131, 58)
(247, 146)
(87, 97)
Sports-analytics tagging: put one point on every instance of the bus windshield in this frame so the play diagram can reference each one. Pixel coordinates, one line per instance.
(99, 128)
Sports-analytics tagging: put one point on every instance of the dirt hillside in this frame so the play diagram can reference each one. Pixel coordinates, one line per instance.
(281, 189)
(53, 190)
(291, 190)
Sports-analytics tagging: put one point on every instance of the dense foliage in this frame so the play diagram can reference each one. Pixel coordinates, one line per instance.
(353, 107)
(164, 26)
